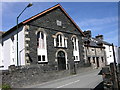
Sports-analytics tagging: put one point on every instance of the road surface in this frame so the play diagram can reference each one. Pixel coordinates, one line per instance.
(89, 79)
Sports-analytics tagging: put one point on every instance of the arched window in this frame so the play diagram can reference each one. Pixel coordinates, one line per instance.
(59, 40)
(42, 49)
(74, 40)
(75, 48)
(40, 40)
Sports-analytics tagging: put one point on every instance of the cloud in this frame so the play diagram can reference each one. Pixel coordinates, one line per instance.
(111, 37)
(107, 26)
(0, 16)
(112, 32)
(96, 22)
(113, 40)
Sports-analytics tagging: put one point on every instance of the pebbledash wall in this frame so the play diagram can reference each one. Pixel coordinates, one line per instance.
(48, 23)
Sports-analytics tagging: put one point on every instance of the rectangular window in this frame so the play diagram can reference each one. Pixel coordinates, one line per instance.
(59, 23)
(76, 57)
(43, 58)
(39, 58)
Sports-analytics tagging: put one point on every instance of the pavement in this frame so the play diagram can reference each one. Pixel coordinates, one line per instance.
(87, 79)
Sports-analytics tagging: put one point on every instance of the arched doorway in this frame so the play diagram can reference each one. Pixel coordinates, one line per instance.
(61, 60)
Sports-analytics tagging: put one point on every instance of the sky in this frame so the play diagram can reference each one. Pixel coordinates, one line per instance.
(99, 17)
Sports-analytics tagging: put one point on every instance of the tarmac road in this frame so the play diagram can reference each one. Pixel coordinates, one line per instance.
(89, 79)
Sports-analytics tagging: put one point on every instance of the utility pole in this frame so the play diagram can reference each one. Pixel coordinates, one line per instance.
(115, 69)
(29, 5)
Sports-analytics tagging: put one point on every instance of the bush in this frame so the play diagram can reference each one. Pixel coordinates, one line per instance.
(6, 87)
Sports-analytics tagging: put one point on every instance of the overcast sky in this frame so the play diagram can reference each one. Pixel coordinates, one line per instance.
(100, 18)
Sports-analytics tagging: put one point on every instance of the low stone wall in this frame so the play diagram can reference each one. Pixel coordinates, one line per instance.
(30, 75)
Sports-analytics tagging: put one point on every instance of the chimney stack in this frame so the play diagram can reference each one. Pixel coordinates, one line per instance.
(100, 37)
(87, 33)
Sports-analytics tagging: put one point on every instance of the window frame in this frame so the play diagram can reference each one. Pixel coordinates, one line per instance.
(60, 40)
(41, 40)
(74, 41)
(75, 45)
(42, 50)
(41, 58)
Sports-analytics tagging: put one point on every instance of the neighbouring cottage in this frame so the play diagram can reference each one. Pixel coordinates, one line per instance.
(108, 49)
(98, 52)
(94, 51)
(48, 38)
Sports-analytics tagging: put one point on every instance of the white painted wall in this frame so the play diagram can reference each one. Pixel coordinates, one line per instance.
(8, 54)
(109, 54)
(1, 54)
(116, 53)
(21, 44)
(119, 55)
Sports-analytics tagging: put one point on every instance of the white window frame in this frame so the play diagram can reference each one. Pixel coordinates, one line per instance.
(59, 23)
(62, 40)
(75, 44)
(75, 48)
(41, 58)
(42, 51)
(43, 43)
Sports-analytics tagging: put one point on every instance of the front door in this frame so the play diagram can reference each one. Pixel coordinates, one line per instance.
(61, 60)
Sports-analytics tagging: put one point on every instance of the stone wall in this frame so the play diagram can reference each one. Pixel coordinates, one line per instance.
(30, 75)
(48, 24)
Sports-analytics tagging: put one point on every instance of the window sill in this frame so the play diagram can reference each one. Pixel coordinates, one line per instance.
(61, 47)
(1, 66)
(41, 48)
(42, 62)
(76, 60)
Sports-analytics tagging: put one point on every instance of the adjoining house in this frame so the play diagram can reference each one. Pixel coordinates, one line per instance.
(98, 52)
(108, 49)
(1, 50)
(94, 51)
(48, 38)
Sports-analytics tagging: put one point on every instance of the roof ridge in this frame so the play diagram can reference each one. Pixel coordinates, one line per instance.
(42, 13)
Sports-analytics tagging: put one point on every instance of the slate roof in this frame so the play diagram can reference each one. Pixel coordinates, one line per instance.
(41, 14)
(93, 42)
(101, 41)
